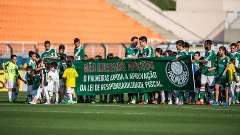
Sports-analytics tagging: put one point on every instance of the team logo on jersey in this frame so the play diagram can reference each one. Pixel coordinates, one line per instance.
(177, 73)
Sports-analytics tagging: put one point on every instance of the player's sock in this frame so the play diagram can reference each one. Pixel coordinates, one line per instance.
(9, 95)
(155, 99)
(162, 96)
(70, 97)
(237, 95)
(202, 92)
(146, 97)
(196, 96)
(74, 99)
(211, 97)
(135, 96)
(56, 98)
(181, 96)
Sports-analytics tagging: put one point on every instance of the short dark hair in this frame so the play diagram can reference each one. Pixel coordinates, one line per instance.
(99, 57)
(238, 42)
(50, 65)
(186, 44)
(85, 55)
(29, 68)
(55, 65)
(39, 61)
(63, 57)
(133, 38)
(181, 43)
(76, 40)
(30, 53)
(143, 38)
(13, 56)
(233, 44)
(116, 57)
(37, 55)
(159, 50)
(47, 42)
(208, 42)
(197, 52)
(110, 56)
(71, 58)
(69, 63)
(61, 47)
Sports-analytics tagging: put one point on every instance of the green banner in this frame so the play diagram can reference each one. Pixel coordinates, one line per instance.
(131, 76)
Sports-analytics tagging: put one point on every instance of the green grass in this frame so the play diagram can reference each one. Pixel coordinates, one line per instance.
(104, 119)
(165, 4)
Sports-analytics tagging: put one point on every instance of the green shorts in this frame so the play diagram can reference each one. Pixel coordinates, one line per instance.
(223, 82)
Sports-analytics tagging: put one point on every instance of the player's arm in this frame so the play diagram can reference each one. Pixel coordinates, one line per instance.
(225, 70)
(76, 74)
(42, 79)
(4, 66)
(20, 78)
(64, 74)
(82, 56)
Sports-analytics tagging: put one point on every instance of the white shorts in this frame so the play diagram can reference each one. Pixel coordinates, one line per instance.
(50, 93)
(62, 82)
(11, 84)
(34, 93)
(55, 88)
(50, 86)
(29, 90)
(208, 79)
(69, 90)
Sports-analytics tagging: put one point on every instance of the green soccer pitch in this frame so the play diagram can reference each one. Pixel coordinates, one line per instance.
(123, 119)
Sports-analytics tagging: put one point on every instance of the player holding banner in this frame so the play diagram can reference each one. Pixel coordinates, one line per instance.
(147, 53)
(132, 52)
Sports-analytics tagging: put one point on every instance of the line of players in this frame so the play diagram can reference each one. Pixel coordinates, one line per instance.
(212, 72)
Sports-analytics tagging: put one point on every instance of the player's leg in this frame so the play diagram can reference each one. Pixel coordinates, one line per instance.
(216, 94)
(70, 94)
(74, 96)
(46, 94)
(130, 96)
(155, 101)
(162, 97)
(202, 89)
(9, 86)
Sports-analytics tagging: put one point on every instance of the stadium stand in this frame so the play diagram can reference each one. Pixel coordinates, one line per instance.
(60, 21)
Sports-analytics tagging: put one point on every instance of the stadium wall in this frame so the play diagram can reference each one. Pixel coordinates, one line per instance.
(191, 23)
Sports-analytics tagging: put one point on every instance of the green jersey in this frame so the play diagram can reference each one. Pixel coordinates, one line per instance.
(36, 82)
(28, 78)
(196, 63)
(221, 66)
(210, 57)
(61, 66)
(73, 66)
(79, 53)
(51, 52)
(148, 52)
(183, 53)
(32, 63)
(12, 71)
(44, 72)
(130, 52)
(191, 53)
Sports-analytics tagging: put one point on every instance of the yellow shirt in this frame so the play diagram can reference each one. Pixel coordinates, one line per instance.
(231, 71)
(70, 74)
